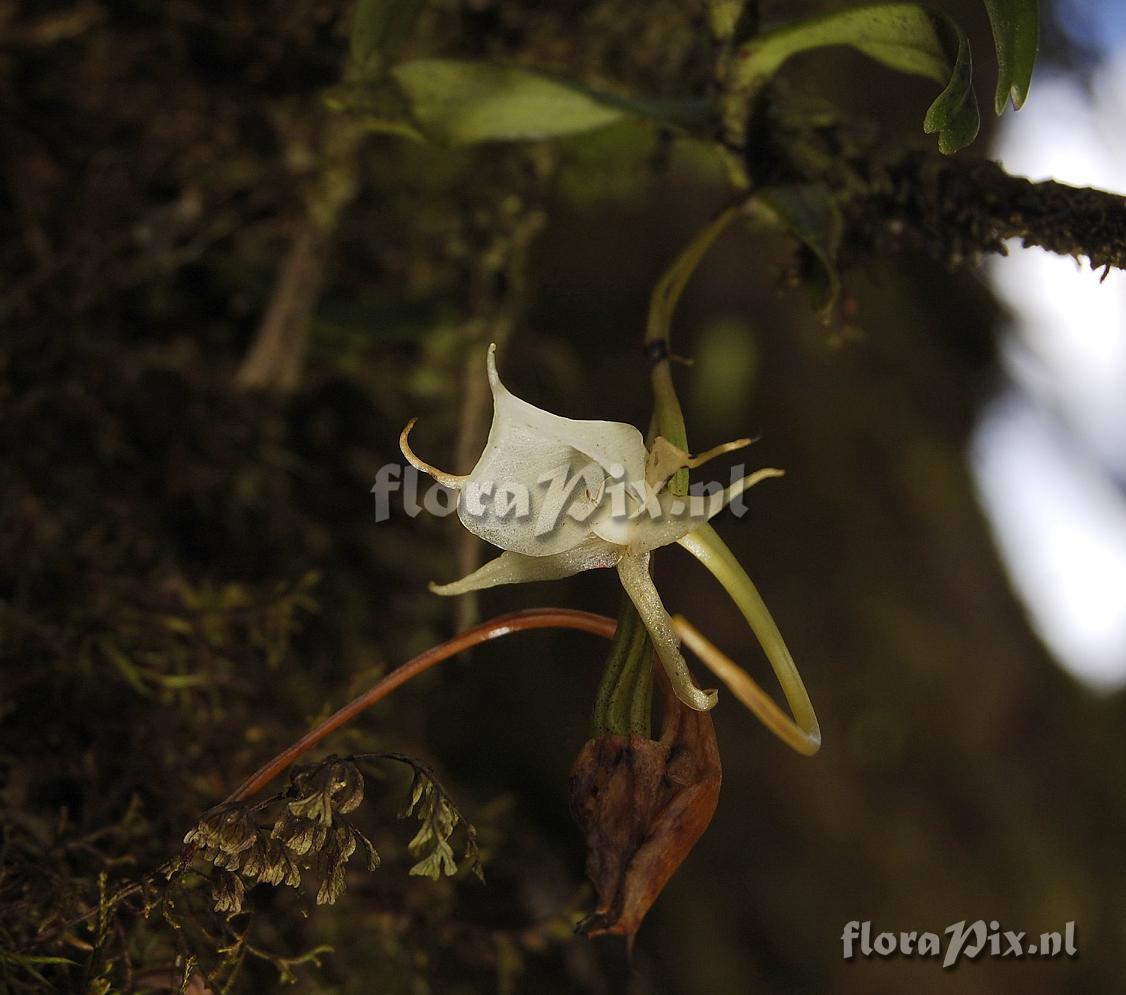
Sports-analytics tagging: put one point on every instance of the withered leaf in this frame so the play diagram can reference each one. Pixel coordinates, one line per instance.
(642, 804)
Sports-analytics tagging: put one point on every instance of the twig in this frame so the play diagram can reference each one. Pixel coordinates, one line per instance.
(954, 208)
(277, 355)
(504, 625)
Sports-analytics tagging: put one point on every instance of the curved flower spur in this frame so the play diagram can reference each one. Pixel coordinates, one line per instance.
(560, 496)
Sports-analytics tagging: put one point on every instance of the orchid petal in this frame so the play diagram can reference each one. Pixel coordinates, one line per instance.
(559, 465)
(665, 458)
(805, 740)
(706, 545)
(634, 574)
(608, 443)
(448, 479)
(515, 568)
(682, 515)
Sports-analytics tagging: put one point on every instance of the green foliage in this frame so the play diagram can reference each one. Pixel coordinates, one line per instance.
(28, 964)
(438, 818)
(327, 788)
(154, 648)
(460, 102)
(809, 213)
(309, 834)
(903, 36)
(608, 166)
(1016, 35)
(161, 534)
(380, 28)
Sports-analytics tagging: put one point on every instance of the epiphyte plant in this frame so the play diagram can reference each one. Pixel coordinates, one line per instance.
(631, 500)
(641, 801)
(634, 497)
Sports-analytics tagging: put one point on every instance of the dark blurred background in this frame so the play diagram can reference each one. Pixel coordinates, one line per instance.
(191, 570)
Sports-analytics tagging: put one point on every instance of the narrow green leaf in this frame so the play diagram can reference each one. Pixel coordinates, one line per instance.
(27, 960)
(380, 28)
(1016, 34)
(181, 682)
(903, 36)
(809, 213)
(125, 667)
(379, 106)
(457, 102)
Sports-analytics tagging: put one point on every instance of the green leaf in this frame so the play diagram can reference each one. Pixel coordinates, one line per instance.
(31, 965)
(903, 36)
(439, 861)
(809, 213)
(380, 28)
(457, 102)
(124, 666)
(1016, 34)
(379, 106)
(28, 960)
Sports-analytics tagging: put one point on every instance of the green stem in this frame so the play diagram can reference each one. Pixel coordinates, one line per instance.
(625, 696)
(624, 703)
(668, 415)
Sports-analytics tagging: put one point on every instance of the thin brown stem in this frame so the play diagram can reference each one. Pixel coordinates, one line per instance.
(503, 625)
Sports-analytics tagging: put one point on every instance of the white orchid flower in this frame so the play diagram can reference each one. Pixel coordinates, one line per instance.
(560, 496)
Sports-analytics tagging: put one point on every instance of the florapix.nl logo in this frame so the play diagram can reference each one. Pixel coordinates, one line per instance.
(960, 941)
(583, 494)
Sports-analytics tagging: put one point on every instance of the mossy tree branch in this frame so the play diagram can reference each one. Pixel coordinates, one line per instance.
(953, 209)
